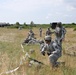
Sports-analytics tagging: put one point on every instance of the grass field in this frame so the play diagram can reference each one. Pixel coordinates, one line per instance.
(11, 53)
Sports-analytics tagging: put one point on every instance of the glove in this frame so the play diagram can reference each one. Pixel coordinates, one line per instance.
(48, 54)
(43, 53)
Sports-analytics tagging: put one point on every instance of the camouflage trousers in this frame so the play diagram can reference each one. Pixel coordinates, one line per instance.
(40, 34)
(59, 41)
(53, 59)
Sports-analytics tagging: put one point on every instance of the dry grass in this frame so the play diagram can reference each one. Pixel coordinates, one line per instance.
(11, 53)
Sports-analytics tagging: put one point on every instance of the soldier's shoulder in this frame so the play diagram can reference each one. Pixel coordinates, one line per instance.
(54, 43)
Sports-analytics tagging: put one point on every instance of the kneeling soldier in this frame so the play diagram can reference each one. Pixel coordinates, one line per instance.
(53, 50)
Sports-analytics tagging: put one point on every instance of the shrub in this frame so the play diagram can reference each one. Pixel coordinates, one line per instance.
(75, 29)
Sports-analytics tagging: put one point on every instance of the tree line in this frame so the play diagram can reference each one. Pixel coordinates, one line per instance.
(32, 24)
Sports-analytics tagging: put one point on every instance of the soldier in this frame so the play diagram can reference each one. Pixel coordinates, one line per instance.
(48, 32)
(60, 33)
(31, 34)
(53, 51)
(40, 32)
(30, 37)
(20, 28)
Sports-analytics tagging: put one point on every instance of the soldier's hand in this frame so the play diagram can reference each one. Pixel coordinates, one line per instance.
(43, 53)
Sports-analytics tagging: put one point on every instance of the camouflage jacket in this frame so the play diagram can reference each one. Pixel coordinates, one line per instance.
(52, 48)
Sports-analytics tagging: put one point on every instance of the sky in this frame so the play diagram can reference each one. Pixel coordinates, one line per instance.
(38, 11)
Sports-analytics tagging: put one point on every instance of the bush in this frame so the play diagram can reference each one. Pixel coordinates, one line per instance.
(75, 29)
(69, 26)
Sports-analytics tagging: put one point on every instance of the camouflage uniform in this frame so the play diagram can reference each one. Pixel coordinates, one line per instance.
(60, 34)
(53, 51)
(48, 32)
(20, 27)
(40, 32)
(30, 37)
(31, 34)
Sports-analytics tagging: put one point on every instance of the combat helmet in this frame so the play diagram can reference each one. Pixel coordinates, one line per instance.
(59, 24)
(47, 38)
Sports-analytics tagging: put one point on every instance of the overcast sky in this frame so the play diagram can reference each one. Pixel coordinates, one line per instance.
(38, 11)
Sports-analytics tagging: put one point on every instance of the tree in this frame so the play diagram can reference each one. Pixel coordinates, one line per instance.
(32, 23)
(73, 23)
(17, 23)
(25, 24)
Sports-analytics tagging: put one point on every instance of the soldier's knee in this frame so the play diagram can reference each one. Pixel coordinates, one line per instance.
(53, 58)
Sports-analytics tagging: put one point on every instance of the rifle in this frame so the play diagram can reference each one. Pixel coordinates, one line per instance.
(36, 61)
